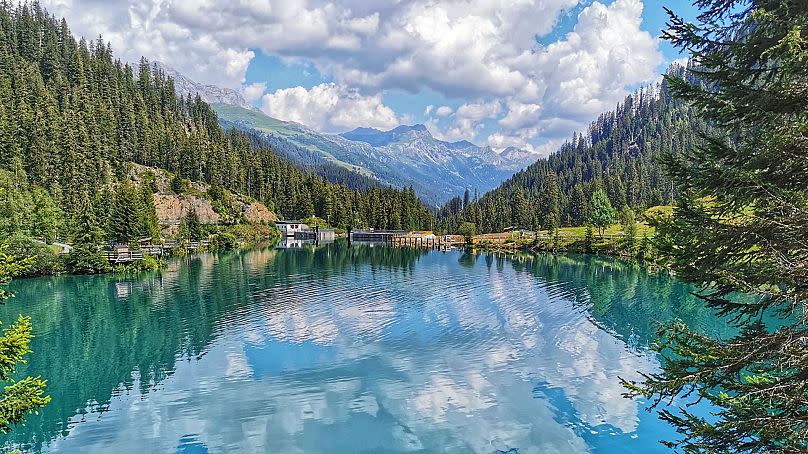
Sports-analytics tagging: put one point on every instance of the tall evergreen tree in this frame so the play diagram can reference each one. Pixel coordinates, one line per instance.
(550, 203)
(72, 120)
(741, 227)
(601, 212)
(46, 217)
(19, 397)
(85, 257)
(523, 215)
(578, 209)
(126, 218)
(192, 225)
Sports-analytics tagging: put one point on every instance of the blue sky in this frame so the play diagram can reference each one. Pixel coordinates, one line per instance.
(525, 73)
(279, 73)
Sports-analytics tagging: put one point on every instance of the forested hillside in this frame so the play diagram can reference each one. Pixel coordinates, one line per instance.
(619, 153)
(306, 159)
(72, 117)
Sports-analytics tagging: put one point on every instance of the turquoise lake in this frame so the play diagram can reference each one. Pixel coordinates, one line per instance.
(354, 349)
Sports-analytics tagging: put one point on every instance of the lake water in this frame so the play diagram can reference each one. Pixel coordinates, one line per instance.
(350, 349)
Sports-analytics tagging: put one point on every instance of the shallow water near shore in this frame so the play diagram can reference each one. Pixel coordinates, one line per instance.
(350, 349)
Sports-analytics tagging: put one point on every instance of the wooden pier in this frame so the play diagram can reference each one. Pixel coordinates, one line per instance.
(417, 241)
(398, 238)
(122, 257)
(122, 254)
(375, 236)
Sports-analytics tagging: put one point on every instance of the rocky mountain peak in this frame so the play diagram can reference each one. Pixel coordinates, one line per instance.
(211, 94)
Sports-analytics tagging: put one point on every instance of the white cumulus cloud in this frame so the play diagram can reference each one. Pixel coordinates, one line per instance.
(466, 50)
(254, 92)
(444, 111)
(466, 120)
(329, 107)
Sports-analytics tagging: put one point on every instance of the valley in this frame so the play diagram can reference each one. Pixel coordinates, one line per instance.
(406, 156)
(508, 227)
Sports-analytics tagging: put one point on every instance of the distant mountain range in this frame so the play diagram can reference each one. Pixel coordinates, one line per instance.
(401, 157)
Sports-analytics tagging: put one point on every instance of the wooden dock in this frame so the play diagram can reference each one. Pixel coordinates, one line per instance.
(123, 257)
(398, 238)
(121, 254)
(375, 236)
(417, 241)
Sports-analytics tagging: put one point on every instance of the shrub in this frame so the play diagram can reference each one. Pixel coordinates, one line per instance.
(40, 257)
(87, 259)
(223, 240)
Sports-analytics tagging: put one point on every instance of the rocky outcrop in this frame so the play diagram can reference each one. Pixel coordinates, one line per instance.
(257, 212)
(211, 94)
(172, 208)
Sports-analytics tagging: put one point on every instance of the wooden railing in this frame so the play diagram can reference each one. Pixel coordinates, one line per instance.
(117, 257)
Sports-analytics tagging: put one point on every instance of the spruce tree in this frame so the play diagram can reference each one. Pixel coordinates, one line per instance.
(148, 223)
(126, 215)
(523, 215)
(601, 212)
(46, 217)
(550, 203)
(741, 227)
(19, 397)
(192, 225)
(578, 206)
(628, 225)
(85, 257)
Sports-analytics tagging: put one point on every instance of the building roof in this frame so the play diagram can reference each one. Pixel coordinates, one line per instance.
(290, 222)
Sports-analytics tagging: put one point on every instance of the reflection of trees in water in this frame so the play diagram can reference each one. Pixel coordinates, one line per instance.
(622, 297)
(617, 294)
(96, 333)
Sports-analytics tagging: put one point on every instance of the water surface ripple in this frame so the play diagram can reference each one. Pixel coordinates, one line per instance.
(349, 349)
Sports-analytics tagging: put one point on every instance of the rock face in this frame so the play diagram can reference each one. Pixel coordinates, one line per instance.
(172, 208)
(257, 212)
(211, 94)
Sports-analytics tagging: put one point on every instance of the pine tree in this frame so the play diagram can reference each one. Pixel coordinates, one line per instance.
(589, 238)
(550, 203)
(629, 227)
(192, 225)
(601, 213)
(740, 227)
(46, 217)
(148, 223)
(85, 257)
(19, 397)
(126, 218)
(523, 215)
(578, 206)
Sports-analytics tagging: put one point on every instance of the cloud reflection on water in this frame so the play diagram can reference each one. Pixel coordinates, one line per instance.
(453, 353)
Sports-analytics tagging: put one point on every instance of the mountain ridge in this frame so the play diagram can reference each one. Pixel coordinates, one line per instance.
(402, 157)
(620, 153)
(211, 94)
(405, 156)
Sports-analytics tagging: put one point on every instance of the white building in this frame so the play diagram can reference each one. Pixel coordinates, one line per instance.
(289, 228)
